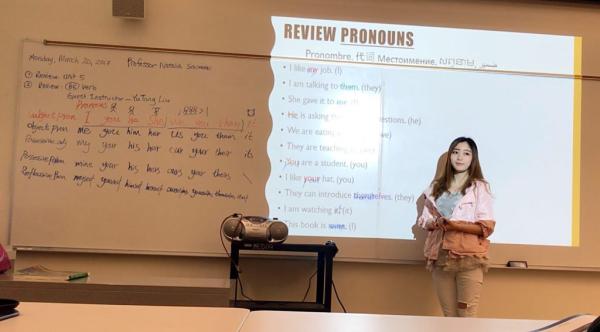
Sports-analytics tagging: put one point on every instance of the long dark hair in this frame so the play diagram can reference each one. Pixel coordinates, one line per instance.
(443, 182)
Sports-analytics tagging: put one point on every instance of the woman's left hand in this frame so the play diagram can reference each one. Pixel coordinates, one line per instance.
(458, 226)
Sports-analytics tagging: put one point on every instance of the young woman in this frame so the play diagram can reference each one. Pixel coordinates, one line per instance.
(458, 217)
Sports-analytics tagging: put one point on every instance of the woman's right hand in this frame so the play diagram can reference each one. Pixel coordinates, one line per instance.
(439, 222)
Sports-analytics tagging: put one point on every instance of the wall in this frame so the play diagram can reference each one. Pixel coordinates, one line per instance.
(364, 287)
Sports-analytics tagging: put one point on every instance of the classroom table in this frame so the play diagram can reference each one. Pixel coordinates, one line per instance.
(76, 317)
(288, 321)
(120, 289)
(68, 317)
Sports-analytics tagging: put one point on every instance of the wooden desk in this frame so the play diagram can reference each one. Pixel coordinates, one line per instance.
(275, 321)
(102, 318)
(121, 289)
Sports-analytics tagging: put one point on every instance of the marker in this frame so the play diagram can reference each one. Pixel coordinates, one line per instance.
(517, 264)
(77, 275)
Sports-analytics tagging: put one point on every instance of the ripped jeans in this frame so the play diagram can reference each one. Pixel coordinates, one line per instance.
(458, 292)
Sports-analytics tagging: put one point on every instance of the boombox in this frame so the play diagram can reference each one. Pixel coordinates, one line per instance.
(238, 227)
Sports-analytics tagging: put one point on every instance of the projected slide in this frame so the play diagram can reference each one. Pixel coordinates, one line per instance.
(362, 112)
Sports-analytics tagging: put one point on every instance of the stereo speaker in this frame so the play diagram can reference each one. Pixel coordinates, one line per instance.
(254, 229)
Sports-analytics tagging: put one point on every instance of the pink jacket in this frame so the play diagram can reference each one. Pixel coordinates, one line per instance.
(474, 207)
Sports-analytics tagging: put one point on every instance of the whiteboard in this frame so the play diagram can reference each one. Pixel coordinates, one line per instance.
(129, 150)
(134, 151)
